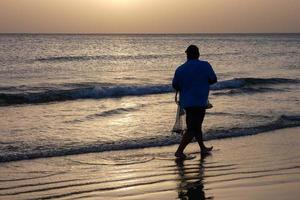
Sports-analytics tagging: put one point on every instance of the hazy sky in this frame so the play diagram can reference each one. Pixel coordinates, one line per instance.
(149, 16)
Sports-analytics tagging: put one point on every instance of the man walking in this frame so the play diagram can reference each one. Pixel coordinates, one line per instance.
(192, 80)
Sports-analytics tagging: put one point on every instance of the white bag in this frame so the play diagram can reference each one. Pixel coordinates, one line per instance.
(179, 125)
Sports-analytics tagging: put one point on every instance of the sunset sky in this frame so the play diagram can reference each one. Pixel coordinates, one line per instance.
(149, 16)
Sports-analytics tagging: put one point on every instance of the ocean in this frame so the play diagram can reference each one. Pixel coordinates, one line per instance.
(74, 94)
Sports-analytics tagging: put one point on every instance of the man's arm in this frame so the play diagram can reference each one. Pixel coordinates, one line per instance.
(175, 82)
(212, 77)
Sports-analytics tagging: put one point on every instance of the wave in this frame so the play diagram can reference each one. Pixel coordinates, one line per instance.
(100, 90)
(248, 91)
(283, 121)
(105, 57)
(105, 114)
(122, 57)
(250, 85)
(244, 82)
(89, 92)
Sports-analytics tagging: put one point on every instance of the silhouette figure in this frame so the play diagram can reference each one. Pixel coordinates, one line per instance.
(192, 80)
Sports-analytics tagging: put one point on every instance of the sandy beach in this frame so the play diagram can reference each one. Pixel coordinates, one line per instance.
(264, 166)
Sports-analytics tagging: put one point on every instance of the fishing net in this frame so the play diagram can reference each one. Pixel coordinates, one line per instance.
(179, 125)
(179, 122)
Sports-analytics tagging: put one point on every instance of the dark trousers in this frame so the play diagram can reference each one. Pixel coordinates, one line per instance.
(194, 120)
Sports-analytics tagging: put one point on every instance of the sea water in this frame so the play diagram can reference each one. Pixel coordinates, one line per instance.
(72, 94)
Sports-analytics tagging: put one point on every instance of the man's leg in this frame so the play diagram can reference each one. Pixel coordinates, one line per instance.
(204, 149)
(199, 135)
(188, 135)
(194, 120)
(186, 139)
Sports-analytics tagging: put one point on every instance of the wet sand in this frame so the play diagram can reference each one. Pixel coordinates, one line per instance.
(264, 166)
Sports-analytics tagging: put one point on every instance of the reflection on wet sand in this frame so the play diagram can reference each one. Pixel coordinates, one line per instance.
(191, 190)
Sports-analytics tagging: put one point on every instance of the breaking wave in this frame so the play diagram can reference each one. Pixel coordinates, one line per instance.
(15, 95)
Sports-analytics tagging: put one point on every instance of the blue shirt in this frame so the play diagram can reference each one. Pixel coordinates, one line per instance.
(192, 80)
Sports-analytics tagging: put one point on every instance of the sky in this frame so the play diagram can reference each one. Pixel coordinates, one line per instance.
(149, 16)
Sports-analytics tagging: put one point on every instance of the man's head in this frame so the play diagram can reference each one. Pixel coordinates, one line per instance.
(192, 52)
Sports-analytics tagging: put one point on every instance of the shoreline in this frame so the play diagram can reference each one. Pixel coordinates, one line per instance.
(263, 166)
(221, 135)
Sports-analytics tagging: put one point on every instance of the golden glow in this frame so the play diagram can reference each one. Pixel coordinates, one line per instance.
(148, 16)
(123, 2)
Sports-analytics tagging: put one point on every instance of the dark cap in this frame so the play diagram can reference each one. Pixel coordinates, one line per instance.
(192, 52)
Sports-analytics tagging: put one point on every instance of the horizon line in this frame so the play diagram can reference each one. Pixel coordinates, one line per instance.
(157, 33)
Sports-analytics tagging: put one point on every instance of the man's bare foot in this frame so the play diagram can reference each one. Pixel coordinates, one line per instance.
(206, 150)
(180, 155)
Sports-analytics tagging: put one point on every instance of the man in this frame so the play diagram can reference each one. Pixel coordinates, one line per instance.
(192, 80)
